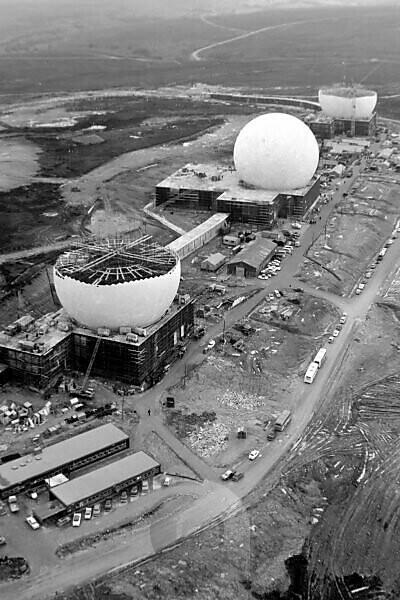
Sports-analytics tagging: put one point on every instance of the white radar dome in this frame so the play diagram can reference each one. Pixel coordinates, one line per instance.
(276, 151)
(114, 283)
(347, 102)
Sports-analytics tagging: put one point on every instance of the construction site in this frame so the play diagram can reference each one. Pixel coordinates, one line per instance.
(188, 337)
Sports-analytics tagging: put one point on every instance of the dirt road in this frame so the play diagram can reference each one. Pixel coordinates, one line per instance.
(196, 55)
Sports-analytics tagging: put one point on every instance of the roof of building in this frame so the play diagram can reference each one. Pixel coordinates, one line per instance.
(28, 466)
(224, 180)
(343, 147)
(210, 177)
(215, 259)
(198, 232)
(106, 477)
(386, 153)
(44, 333)
(255, 253)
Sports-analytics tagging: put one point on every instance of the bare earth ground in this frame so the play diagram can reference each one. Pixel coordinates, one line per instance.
(317, 498)
(369, 213)
(249, 388)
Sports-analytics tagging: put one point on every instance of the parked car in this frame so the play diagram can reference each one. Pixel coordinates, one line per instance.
(254, 454)
(32, 522)
(368, 275)
(108, 505)
(343, 319)
(2, 509)
(134, 492)
(13, 504)
(237, 476)
(209, 346)
(124, 497)
(63, 521)
(227, 475)
(96, 510)
(88, 513)
(297, 244)
(3, 540)
(76, 520)
(167, 481)
(145, 487)
(331, 339)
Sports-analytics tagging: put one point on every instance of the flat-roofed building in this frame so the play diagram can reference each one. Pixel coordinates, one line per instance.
(218, 188)
(200, 235)
(31, 471)
(36, 351)
(106, 481)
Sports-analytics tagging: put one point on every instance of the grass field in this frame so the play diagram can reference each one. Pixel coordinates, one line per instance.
(150, 53)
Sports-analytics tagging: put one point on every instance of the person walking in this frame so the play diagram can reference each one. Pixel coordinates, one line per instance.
(149, 412)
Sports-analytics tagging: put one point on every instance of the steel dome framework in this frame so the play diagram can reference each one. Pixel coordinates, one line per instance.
(115, 260)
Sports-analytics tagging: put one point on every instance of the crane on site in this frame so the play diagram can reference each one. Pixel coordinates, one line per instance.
(83, 391)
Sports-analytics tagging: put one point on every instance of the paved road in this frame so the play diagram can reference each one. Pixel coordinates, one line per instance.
(218, 499)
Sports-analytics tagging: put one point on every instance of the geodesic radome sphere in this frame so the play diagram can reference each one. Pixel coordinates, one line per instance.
(276, 151)
(347, 102)
(114, 283)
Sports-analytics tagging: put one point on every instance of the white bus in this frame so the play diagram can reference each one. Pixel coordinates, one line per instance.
(320, 357)
(311, 373)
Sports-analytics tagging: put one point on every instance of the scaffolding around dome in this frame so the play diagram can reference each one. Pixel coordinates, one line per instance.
(115, 260)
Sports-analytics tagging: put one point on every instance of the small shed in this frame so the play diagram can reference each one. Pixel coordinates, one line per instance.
(213, 262)
(253, 258)
(231, 240)
(338, 170)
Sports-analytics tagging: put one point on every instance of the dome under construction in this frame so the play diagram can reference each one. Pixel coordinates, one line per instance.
(116, 282)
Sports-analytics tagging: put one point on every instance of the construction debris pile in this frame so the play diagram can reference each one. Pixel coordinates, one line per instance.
(209, 440)
(12, 567)
(238, 400)
(20, 418)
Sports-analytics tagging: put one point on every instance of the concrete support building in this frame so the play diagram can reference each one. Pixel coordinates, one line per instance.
(128, 357)
(218, 188)
(356, 127)
(136, 359)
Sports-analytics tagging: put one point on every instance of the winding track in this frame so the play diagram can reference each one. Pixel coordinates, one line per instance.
(196, 55)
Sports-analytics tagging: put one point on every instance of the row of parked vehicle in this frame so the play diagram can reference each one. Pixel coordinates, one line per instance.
(95, 511)
(124, 498)
(274, 266)
(338, 328)
(379, 258)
